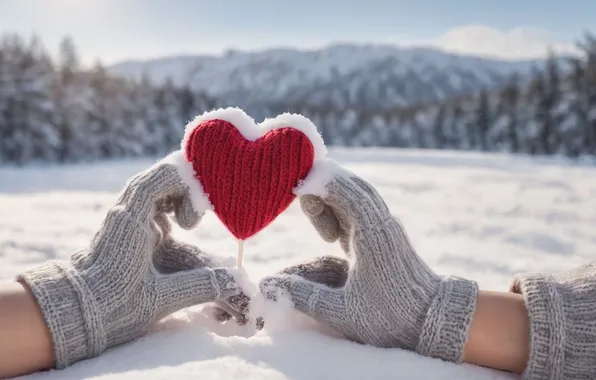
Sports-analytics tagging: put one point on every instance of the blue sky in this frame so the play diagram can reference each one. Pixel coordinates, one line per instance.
(114, 30)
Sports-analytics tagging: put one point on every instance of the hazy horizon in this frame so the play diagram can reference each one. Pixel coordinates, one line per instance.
(138, 30)
(331, 45)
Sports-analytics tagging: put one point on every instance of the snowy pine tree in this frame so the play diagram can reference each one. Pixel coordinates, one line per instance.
(509, 100)
(28, 133)
(483, 121)
(69, 98)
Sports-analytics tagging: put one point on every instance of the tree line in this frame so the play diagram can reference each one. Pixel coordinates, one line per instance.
(56, 111)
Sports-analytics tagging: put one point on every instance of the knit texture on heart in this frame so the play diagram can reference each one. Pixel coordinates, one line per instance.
(249, 183)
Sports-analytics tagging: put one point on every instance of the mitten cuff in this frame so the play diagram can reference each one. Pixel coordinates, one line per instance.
(448, 320)
(69, 311)
(547, 325)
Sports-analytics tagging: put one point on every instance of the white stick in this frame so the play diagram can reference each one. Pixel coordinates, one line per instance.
(240, 252)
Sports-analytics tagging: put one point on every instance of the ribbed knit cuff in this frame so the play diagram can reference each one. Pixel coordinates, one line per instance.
(69, 312)
(445, 330)
(547, 325)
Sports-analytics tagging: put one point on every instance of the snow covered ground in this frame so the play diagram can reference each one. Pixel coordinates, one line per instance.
(480, 216)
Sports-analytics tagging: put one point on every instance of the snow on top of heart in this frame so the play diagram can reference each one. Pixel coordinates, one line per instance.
(301, 123)
(319, 176)
(252, 131)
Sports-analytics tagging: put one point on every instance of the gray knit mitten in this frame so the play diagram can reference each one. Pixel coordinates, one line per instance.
(391, 297)
(562, 314)
(112, 291)
(330, 271)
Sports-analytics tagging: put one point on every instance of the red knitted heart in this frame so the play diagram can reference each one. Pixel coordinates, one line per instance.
(248, 171)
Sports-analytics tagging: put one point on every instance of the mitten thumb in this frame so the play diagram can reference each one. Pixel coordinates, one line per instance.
(321, 217)
(185, 214)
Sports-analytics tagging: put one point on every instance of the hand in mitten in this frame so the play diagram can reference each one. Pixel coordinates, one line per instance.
(330, 271)
(391, 298)
(174, 256)
(112, 291)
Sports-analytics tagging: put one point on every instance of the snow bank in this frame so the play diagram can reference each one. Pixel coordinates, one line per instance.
(483, 217)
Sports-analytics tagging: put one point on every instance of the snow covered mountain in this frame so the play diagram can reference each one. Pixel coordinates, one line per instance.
(340, 76)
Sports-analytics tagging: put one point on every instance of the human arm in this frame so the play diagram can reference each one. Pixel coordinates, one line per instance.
(499, 335)
(25, 341)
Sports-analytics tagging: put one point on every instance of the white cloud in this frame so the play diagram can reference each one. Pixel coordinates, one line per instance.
(519, 43)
